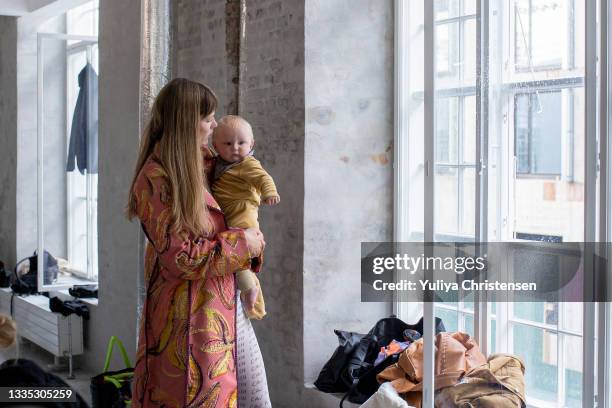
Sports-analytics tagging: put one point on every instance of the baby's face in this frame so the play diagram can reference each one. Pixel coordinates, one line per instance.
(233, 143)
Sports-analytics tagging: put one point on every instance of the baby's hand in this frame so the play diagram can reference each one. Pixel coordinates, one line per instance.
(249, 297)
(272, 200)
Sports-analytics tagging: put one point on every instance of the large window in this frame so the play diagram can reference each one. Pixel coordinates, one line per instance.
(68, 144)
(509, 85)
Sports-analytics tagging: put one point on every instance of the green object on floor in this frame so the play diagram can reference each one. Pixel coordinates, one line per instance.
(113, 388)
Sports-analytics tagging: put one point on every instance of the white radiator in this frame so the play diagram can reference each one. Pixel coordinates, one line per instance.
(59, 335)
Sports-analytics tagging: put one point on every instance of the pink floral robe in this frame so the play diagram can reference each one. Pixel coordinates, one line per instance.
(186, 350)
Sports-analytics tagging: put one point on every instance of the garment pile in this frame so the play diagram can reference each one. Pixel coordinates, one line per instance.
(463, 375)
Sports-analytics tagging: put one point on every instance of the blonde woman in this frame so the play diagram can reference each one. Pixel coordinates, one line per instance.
(187, 343)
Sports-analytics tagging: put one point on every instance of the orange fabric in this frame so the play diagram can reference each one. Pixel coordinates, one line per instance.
(456, 354)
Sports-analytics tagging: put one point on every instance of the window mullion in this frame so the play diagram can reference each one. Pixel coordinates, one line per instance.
(590, 195)
(561, 344)
(604, 369)
(481, 304)
(429, 190)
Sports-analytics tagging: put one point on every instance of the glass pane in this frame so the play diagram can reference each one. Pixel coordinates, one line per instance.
(573, 313)
(548, 46)
(538, 349)
(447, 50)
(468, 301)
(447, 200)
(573, 371)
(468, 201)
(521, 133)
(412, 218)
(549, 149)
(545, 132)
(539, 312)
(469, 52)
(447, 130)
(446, 9)
(538, 133)
(82, 181)
(469, 324)
(469, 7)
(469, 130)
(537, 46)
(449, 318)
(69, 173)
(493, 338)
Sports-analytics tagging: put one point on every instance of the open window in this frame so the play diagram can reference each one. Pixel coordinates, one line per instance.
(68, 149)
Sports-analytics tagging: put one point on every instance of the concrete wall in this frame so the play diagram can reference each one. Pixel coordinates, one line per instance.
(200, 48)
(318, 92)
(273, 102)
(348, 164)
(119, 254)
(272, 92)
(8, 140)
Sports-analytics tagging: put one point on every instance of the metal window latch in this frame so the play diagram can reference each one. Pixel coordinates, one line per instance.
(481, 166)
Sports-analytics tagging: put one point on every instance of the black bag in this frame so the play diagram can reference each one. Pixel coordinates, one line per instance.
(329, 379)
(364, 379)
(112, 389)
(5, 280)
(351, 368)
(27, 283)
(25, 373)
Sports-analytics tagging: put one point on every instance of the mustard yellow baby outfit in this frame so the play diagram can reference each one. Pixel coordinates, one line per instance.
(239, 188)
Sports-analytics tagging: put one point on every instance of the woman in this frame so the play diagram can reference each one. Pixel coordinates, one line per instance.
(186, 347)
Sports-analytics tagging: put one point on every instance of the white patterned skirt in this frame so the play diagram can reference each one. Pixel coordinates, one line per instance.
(252, 382)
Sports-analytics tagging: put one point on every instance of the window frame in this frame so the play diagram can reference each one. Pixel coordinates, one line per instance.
(91, 272)
(592, 181)
(78, 278)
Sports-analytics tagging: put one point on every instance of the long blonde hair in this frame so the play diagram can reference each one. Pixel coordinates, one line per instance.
(8, 331)
(175, 116)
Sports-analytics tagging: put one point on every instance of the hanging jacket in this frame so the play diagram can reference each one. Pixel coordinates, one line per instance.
(456, 354)
(499, 383)
(83, 146)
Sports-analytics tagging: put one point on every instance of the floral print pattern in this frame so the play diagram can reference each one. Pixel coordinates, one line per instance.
(186, 347)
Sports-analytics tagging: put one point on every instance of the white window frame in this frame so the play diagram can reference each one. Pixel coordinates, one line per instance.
(92, 268)
(81, 41)
(592, 183)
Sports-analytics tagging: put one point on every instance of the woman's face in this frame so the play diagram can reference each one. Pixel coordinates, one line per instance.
(205, 129)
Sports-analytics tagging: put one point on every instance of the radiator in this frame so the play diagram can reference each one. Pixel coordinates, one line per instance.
(59, 335)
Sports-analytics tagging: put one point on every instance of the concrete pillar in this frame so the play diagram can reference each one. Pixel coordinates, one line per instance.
(119, 84)
(8, 140)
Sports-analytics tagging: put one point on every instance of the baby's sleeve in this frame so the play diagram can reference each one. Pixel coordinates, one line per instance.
(256, 176)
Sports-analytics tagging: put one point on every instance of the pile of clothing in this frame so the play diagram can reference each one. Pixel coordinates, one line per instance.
(359, 358)
(463, 375)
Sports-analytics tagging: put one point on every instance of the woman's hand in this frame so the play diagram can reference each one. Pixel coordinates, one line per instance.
(255, 241)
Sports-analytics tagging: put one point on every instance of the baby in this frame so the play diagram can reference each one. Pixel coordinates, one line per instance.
(239, 185)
